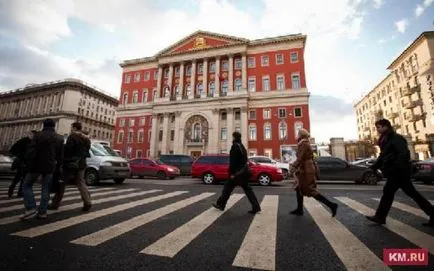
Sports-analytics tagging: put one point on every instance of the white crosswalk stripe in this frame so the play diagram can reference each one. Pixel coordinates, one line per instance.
(407, 208)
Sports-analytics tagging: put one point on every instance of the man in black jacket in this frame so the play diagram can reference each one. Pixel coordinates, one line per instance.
(394, 162)
(19, 150)
(238, 176)
(44, 156)
(76, 150)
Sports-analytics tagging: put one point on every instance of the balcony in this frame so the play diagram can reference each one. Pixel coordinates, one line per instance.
(416, 117)
(397, 125)
(413, 104)
(393, 115)
(366, 129)
(410, 90)
(195, 142)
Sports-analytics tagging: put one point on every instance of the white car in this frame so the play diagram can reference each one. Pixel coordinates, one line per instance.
(265, 160)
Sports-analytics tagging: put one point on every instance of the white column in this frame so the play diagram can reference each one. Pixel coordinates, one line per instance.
(230, 127)
(193, 79)
(178, 146)
(205, 78)
(159, 79)
(231, 74)
(170, 80)
(165, 133)
(244, 127)
(217, 77)
(214, 133)
(152, 149)
(181, 80)
(244, 72)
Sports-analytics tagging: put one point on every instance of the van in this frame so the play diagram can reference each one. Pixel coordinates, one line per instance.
(105, 164)
(181, 161)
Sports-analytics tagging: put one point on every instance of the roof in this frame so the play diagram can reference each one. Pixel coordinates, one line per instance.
(426, 34)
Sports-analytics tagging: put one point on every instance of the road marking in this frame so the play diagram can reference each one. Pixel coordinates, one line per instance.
(109, 233)
(407, 208)
(55, 226)
(258, 250)
(38, 192)
(413, 235)
(350, 250)
(172, 243)
(63, 208)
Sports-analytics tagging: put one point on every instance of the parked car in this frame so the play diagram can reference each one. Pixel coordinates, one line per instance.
(264, 160)
(333, 168)
(6, 166)
(424, 171)
(104, 164)
(364, 162)
(142, 167)
(214, 168)
(181, 161)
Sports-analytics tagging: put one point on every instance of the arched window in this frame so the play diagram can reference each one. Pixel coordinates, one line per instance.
(125, 98)
(283, 130)
(211, 88)
(297, 127)
(238, 84)
(166, 91)
(224, 87)
(199, 89)
(196, 131)
(188, 90)
(267, 131)
(121, 136)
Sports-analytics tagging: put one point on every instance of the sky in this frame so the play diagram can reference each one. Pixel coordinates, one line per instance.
(350, 43)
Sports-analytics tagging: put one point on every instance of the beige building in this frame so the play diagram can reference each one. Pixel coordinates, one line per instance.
(65, 101)
(405, 97)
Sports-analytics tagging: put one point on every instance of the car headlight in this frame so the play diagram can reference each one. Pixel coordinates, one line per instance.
(106, 164)
(171, 169)
(279, 170)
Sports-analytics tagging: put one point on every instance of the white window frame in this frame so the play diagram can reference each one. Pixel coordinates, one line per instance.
(292, 80)
(238, 64)
(238, 84)
(290, 57)
(137, 77)
(280, 130)
(251, 62)
(137, 153)
(200, 68)
(266, 77)
(148, 153)
(142, 121)
(253, 152)
(211, 87)
(130, 140)
(212, 67)
(278, 112)
(266, 116)
(138, 135)
(132, 122)
(119, 139)
(249, 116)
(127, 78)
(188, 70)
(267, 124)
(224, 131)
(225, 89)
(250, 80)
(296, 129)
(121, 122)
(154, 94)
(225, 65)
(135, 97)
(125, 98)
(255, 132)
(166, 72)
(282, 59)
(177, 71)
(263, 64)
(301, 112)
(147, 76)
(156, 75)
(270, 152)
(145, 95)
(280, 76)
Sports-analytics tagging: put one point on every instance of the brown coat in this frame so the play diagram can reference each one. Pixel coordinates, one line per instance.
(305, 169)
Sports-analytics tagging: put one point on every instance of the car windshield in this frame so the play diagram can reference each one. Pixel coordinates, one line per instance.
(158, 162)
(102, 150)
(5, 159)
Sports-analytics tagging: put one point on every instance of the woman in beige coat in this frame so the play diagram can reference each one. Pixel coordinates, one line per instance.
(305, 169)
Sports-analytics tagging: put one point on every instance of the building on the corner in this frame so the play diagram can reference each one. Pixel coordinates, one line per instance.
(65, 101)
(405, 97)
(191, 96)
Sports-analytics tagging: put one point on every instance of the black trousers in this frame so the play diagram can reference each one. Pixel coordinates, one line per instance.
(318, 197)
(230, 186)
(19, 177)
(394, 183)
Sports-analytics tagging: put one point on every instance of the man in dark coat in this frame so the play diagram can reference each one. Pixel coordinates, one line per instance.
(45, 154)
(74, 164)
(19, 150)
(394, 162)
(238, 176)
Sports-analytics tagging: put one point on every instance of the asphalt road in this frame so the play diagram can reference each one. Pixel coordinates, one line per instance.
(170, 225)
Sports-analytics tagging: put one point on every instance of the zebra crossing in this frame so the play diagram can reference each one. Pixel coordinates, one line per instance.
(258, 247)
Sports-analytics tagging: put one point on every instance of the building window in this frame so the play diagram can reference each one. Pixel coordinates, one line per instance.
(147, 76)
(127, 78)
(265, 61)
(177, 71)
(282, 113)
(138, 153)
(142, 121)
(252, 114)
(211, 88)
(160, 135)
(224, 87)
(212, 67)
(252, 132)
(268, 153)
(267, 114)
(283, 130)
(238, 64)
(223, 116)
(140, 136)
(280, 82)
(121, 136)
(144, 96)
(172, 135)
(137, 77)
(238, 129)
(237, 115)
(297, 112)
(166, 73)
(125, 98)
(131, 136)
(135, 97)
(252, 84)
(251, 63)
(199, 89)
(295, 81)
(200, 68)
(196, 132)
(294, 57)
(265, 84)
(156, 75)
(176, 90)
(238, 84)
(188, 90)
(166, 91)
(188, 70)
(225, 65)
(267, 131)
(132, 122)
(279, 59)
(121, 122)
(224, 134)
(297, 127)
(154, 94)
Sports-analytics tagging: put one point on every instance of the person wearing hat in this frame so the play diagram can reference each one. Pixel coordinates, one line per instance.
(304, 169)
(44, 156)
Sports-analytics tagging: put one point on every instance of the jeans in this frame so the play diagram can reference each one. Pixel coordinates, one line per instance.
(29, 198)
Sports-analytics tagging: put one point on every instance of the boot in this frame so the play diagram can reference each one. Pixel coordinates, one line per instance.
(299, 210)
(333, 206)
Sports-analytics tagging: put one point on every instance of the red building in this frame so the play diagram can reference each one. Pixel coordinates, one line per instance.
(191, 96)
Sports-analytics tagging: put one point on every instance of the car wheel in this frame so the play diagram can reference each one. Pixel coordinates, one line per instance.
(208, 178)
(141, 177)
(119, 180)
(264, 179)
(370, 178)
(171, 178)
(285, 174)
(91, 177)
(161, 175)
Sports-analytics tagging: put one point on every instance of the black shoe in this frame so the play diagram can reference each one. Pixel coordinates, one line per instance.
(376, 220)
(215, 205)
(334, 209)
(86, 207)
(430, 223)
(297, 212)
(41, 216)
(53, 207)
(254, 211)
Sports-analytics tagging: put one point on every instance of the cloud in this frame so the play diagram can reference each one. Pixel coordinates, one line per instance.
(401, 25)
(378, 4)
(420, 8)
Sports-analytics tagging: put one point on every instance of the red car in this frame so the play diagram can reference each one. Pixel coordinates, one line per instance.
(214, 168)
(147, 167)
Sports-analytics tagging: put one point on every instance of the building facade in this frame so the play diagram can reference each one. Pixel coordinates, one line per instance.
(405, 97)
(191, 96)
(65, 101)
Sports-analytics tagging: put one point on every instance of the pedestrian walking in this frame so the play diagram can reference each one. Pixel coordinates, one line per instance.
(304, 170)
(19, 150)
(395, 164)
(239, 174)
(44, 155)
(74, 164)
